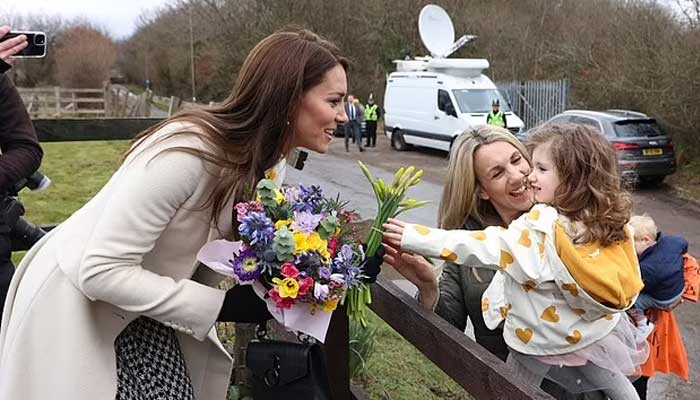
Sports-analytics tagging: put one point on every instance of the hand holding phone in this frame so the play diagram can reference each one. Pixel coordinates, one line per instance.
(21, 44)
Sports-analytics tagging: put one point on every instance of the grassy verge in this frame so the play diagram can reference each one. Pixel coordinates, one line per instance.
(78, 170)
(687, 181)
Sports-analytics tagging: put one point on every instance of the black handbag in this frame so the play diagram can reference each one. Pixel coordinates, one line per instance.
(286, 369)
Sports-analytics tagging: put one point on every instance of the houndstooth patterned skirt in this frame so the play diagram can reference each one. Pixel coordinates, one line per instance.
(150, 365)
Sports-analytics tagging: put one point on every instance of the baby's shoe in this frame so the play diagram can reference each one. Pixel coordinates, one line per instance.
(643, 331)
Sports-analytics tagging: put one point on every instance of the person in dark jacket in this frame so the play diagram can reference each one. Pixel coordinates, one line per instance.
(20, 154)
(661, 263)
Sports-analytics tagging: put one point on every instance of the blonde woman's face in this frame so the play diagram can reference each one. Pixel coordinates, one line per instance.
(321, 111)
(501, 171)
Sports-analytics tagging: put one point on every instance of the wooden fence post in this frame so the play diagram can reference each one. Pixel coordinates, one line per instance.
(57, 94)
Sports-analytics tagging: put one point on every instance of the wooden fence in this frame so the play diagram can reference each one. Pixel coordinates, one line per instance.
(110, 101)
(479, 372)
(536, 101)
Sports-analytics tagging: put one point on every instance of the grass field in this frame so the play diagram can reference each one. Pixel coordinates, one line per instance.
(79, 170)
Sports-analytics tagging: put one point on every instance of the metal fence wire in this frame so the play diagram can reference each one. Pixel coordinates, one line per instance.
(536, 101)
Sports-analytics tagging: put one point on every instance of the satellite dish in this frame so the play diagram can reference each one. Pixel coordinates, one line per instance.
(438, 33)
(436, 29)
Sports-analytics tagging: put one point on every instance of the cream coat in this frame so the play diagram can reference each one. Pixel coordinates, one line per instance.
(129, 252)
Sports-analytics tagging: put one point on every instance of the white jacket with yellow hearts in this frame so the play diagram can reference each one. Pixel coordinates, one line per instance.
(555, 297)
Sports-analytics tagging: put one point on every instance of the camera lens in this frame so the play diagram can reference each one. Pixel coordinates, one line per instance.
(39, 40)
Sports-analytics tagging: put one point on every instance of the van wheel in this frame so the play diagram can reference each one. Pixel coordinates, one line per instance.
(397, 141)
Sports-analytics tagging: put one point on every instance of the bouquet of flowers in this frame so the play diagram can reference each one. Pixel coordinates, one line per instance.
(295, 251)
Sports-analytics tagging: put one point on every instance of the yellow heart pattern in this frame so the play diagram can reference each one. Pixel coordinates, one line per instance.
(448, 255)
(422, 230)
(506, 259)
(540, 247)
(550, 315)
(525, 239)
(574, 338)
(479, 235)
(578, 311)
(484, 304)
(609, 317)
(534, 215)
(571, 288)
(525, 335)
(504, 311)
(529, 285)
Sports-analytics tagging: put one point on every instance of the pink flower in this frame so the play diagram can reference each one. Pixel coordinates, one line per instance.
(305, 285)
(280, 302)
(243, 209)
(333, 244)
(289, 270)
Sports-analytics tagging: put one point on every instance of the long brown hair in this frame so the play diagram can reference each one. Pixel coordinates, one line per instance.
(590, 189)
(253, 128)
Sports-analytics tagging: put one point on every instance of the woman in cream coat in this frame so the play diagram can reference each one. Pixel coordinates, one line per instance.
(127, 258)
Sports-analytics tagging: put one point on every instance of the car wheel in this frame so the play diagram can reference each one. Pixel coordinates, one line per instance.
(397, 141)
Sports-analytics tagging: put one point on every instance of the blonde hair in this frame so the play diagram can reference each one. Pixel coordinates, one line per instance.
(460, 195)
(644, 225)
(590, 189)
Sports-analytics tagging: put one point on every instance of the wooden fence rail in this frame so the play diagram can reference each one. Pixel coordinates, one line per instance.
(479, 372)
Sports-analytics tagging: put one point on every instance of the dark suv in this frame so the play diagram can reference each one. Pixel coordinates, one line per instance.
(644, 152)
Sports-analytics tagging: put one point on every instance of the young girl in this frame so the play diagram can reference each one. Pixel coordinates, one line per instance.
(569, 267)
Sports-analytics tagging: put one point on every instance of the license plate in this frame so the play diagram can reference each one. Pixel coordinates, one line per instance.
(652, 152)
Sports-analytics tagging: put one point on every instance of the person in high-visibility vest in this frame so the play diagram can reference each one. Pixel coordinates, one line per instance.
(496, 117)
(371, 117)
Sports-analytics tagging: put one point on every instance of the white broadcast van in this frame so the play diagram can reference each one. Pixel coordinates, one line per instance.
(429, 101)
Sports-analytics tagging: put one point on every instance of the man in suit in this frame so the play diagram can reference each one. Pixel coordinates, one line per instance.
(352, 127)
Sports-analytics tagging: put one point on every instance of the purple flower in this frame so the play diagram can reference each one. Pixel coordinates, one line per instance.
(310, 199)
(246, 266)
(324, 273)
(257, 228)
(346, 263)
(305, 222)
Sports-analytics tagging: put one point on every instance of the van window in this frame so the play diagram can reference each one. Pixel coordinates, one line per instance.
(479, 100)
(443, 100)
(637, 128)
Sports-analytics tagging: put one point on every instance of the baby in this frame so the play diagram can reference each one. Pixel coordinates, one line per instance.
(661, 262)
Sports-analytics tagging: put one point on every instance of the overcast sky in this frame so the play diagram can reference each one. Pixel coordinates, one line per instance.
(118, 17)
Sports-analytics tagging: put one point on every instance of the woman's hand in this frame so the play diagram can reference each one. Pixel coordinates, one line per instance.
(416, 270)
(10, 47)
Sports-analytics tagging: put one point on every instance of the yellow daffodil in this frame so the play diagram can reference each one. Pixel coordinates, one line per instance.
(287, 287)
(300, 242)
(330, 305)
(319, 245)
(279, 197)
(283, 222)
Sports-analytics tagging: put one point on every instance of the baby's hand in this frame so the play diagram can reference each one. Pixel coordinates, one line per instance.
(393, 231)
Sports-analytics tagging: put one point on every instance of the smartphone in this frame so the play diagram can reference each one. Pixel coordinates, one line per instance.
(36, 47)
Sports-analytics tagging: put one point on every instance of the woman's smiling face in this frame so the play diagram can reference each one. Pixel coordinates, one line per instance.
(501, 171)
(321, 111)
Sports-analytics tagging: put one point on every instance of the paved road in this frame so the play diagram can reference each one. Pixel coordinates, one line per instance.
(337, 172)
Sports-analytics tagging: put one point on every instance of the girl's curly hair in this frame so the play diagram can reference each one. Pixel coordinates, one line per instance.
(591, 190)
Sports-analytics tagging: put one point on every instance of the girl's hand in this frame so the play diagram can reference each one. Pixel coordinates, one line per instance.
(393, 231)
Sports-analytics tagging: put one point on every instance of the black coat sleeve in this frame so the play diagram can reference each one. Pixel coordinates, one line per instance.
(21, 153)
